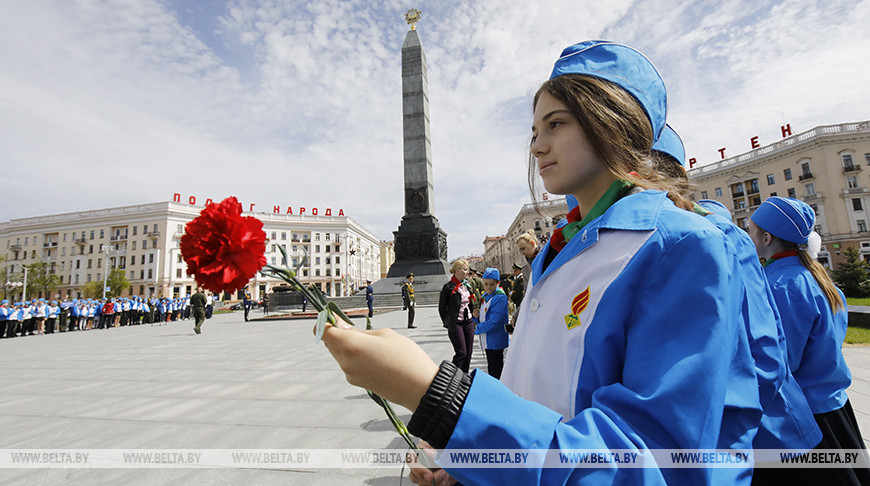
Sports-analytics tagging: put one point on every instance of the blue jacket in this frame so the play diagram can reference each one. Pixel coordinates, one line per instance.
(369, 293)
(491, 330)
(813, 334)
(625, 341)
(787, 421)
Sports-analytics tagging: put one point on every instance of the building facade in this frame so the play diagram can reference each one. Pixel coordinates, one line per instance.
(827, 167)
(143, 241)
(501, 251)
(388, 256)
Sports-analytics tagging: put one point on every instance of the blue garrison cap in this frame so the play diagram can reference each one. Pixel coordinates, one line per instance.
(4, 301)
(669, 143)
(786, 218)
(491, 273)
(716, 207)
(624, 67)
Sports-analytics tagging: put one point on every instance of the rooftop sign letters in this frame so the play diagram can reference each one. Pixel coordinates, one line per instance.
(753, 142)
(300, 210)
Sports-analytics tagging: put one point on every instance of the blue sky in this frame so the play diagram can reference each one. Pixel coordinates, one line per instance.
(297, 103)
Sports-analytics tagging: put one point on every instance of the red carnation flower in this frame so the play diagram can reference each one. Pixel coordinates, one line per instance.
(222, 248)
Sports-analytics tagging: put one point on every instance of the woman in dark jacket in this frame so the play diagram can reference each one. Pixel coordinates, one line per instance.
(455, 308)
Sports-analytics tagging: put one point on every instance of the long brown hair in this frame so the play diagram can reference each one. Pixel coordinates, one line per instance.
(823, 279)
(617, 128)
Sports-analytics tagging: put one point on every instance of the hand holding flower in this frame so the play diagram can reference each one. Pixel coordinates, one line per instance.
(383, 361)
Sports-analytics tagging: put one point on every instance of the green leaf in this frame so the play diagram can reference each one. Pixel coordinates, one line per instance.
(335, 308)
(320, 327)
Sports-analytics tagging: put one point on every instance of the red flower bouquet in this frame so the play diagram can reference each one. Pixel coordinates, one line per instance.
(222, 248)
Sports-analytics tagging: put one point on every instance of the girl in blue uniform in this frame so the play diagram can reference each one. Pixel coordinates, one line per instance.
(627, 333)
(491, 319)
(814, 319)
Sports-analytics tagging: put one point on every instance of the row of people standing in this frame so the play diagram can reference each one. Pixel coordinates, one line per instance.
(45, 317)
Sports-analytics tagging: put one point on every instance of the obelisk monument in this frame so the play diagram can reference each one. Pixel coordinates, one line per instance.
(420, 243)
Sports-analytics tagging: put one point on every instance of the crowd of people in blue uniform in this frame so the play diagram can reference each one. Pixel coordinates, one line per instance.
(41, 316)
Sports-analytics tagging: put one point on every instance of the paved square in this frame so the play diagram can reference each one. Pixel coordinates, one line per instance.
(255, 385)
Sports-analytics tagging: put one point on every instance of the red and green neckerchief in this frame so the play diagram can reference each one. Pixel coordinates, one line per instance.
(777, 256)
(457, 283)
(576, 222)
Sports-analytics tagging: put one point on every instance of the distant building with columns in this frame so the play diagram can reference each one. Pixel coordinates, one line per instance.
(143, 241)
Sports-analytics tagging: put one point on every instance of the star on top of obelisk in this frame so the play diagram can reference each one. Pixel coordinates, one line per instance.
(412, 17)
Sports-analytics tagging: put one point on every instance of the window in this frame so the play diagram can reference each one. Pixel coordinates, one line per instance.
(847, 161)
(316, 236)
(90, 263)
(866, 161)
(153, 243)
(151, 258)
(78, 264)
(718, 192)
(26, 240)
(134, 245)
(134, 230)
(178, 258)
(90, 249)
(103, 233)
(88, 278)
(337, 260)
(862, 226)
(811, 188)
(753, 186)
(815, 208)
(805, 169)
(316, 272)
(63, 251)
(295, 262)
(791, 193)
(150, 273)
(283, 235)
(770, 180)
(317, 248)
(856, 204)
(737, 190)
(132, 274)
(295, 237)
(92, 234)
(772, 194)
(317, 260)
(755, 201)
(155, 228)
(741, 204)
(786, 174)
(274, 248)
(99, 263)
(273, 261)
(703, 194)
(327, 236)
(274, 236)
(177, 273)
(852, 182)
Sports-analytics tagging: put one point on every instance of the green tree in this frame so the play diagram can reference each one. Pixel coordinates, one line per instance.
(41, 278)
(852, 275)
(117, 282)
(93, 290)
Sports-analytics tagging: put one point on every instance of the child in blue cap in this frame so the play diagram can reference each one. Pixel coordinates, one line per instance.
(621, 343)
(814, 318)
(491, 319)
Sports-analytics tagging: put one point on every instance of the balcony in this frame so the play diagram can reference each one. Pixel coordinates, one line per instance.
(812, 197)
(118, 238)
(851, 168)
(752, 191)
(803, 177)
(15, 247)
(79, 241)
(153, 234)
(855, 190)
(50, 244)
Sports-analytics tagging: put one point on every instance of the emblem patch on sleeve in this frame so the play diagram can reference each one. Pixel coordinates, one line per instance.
(578, 305)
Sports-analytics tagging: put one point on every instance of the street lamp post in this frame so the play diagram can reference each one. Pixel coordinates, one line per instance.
(107, 250)
(24, 287)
